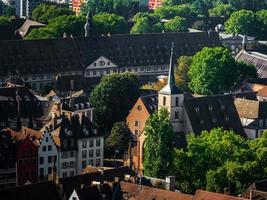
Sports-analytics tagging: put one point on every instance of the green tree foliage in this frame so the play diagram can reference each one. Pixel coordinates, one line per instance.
(147, 23)
(125, 8)
(119, 137)
(113, 97)
(168, 12)
(158, 147)
(248, 4)
(177, 24)
(177, 2)
(216, 157)
(214, 71)
(262, 23)
(220, 10)
(72, 25)
(181, 73)
(241, 22)
(104, 23)
(44, 13)
(4, 20)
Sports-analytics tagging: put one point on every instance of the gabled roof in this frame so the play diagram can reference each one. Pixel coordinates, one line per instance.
(258, 189)
(150, 102)
(205, 195)
(208, 112)
(28, 25)
(251, 109)
(134, 191)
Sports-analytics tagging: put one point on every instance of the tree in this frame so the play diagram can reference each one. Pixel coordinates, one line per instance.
(109, 23)
(168, 12)
(214, 71)
(147, 23)
(72, 25)
(113, 97)
(181, 73)
(158, 147)
(242, 22)
(202, 164)
(262, 23)
(177, 24)
(44, 13)
(4, 20)
(119, 137)
(220, 10)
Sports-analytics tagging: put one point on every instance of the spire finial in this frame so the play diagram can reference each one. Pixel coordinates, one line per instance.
(171, 79)
(244, 43)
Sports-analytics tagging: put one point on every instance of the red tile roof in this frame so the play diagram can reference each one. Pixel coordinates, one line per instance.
(205, 195)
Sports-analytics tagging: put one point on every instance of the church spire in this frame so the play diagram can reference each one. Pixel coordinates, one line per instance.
(171, 88)
(88, 25)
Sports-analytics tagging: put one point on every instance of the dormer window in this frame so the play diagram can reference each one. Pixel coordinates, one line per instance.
(197, 109)
(164, 101)
(210, 108)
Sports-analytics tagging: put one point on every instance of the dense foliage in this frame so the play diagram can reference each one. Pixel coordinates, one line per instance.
(158, 147)
(214, 71)
(119, 137)
(220, 158)
(113, 97)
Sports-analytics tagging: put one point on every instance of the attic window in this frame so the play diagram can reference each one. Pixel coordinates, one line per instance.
(210, 108)
(197, 109)
(139, 107)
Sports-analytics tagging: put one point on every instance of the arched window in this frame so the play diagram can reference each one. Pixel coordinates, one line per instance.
(164, 101)
(176, 114)
(176, 101)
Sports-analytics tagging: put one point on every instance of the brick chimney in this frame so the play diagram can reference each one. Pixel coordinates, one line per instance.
(170, 183)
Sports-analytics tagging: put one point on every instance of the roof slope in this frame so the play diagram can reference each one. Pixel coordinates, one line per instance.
(205, 195)
(208, 112)
(150, 102)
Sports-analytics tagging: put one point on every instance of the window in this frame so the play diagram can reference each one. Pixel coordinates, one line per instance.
(84, 152)
(260, 123)
(46, 139)
(83, 164)
(176, 114)
(49, 159)
(91, 153)
(136, 123)
(72, 174)
(84, 143)
(49, 170)
(97, 163)
(65, 174)
(41, 172)
(108, 71)
(98, 142)
(55, 159)
(44, 148)
(176, 101)
(97, 152)
(72, 143)
(164, 101)
(65, 155)
(91, 162)
(72, 154)
(91, 143)
(210, 108)
(49, 148)
(136, 132)
(65, 165)
(72, 164)
(41, 160)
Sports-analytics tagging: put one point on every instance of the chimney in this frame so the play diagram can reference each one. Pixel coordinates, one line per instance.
(170, 183)
(226, 191)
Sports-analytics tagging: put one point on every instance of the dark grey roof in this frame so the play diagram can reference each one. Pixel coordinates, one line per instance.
(150, 102)
(91, 192)
(254, 58)
(208, 112)
(66, 54)
(259, 190)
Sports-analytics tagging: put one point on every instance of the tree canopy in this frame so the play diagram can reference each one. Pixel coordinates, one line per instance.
(113, 97)
(177, 24)
(218, 158)
(214, 71)
(221, 10)
(158, 147)
(119, 137)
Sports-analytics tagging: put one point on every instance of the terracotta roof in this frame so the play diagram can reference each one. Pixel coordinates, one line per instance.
(133, 191)
(251, 109)
(262, 92)
(208, 112)
(205, 195)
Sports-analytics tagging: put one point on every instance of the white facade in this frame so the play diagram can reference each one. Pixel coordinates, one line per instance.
(90, 152)
(47, 155)
(68, 163)
(74, 196)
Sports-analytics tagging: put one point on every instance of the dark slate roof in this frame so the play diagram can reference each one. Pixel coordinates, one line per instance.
(40, 191)
(251, 109)
(254, 58)
(208, 112)
(68, 54)
(150, 102)
(91, 192)
(6, 32)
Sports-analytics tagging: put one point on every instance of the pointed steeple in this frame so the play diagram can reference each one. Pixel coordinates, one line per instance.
(171, 88)
(88, 25)
(244, 43)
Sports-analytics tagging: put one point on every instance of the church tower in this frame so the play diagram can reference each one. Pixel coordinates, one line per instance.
(88, 25)
(172, 98)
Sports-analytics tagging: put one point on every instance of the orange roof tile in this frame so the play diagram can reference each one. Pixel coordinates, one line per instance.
(205, 195)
